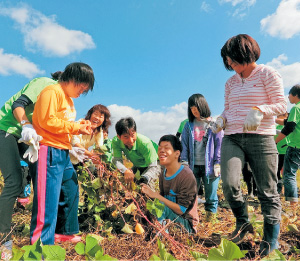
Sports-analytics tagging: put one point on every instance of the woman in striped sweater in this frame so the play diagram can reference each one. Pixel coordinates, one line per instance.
(253, 97)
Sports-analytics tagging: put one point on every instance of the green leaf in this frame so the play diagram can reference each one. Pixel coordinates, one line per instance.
(26, 230)
(102, 149)
(227, 250)
(33, 252)
(130, 208)
(97, 217)
(292, 228)
(155, 207)
(198, 256)
(99, 256)
(100, 207)
(52, 252)
(154, 258)
(80, 248)
(127, 229)
(275, 255)
(137, 175)
(164, 255)
(31, 255)
(92, 246)
(90, 206)
(17, 253)
(96, 183)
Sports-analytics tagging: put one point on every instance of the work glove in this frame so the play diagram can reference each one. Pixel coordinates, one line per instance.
(185, 163)
(78, 153)
(29, 135)
(32, 153)
(217, 170)
(218, 125)
(253, 120)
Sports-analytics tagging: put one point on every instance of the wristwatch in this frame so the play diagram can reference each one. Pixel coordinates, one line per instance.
(24, 122)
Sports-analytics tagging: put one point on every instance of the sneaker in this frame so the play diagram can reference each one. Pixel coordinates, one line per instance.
(63, 238)
(6, 250)
(237, 236)
(211, 217)
(23, 201)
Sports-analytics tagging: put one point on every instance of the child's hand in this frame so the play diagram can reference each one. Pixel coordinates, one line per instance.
(148, 191)
(85, 128)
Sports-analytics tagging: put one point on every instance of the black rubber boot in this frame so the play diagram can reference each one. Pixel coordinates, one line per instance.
(269, 242)
(243, 226)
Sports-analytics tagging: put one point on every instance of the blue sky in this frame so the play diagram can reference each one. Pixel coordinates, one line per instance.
(148, 56)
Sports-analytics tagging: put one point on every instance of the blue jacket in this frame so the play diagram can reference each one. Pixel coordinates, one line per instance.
(212, 149)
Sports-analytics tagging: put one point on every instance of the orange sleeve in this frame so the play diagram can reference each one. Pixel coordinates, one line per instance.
(56, 114)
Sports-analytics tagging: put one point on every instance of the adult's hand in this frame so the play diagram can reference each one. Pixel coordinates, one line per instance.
(218, 125)
(29, 135)
(78, 153)
(253, 120)
(32, 153)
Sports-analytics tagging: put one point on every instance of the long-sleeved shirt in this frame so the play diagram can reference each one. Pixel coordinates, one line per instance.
(53, 117)
(262, 89)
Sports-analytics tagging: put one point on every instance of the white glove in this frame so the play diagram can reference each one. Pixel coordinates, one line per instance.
(278, 131)
(78, 153)
(185, 163)
(218, 125)
(29, 135)
(217, 170)
(253, 120)
(32, 152)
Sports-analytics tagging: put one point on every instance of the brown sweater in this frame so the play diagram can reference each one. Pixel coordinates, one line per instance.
(181, 188)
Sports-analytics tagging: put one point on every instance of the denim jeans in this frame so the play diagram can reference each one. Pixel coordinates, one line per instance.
(170, 214)
(210, 188)
(56, 195)
(211, 197)
(291, 165)
(261, 153)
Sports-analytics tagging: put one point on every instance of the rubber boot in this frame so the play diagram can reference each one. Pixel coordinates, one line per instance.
(270, 239)
(243, 226)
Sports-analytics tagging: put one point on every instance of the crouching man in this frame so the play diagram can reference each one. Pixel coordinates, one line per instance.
(138, 149)
(177, 184)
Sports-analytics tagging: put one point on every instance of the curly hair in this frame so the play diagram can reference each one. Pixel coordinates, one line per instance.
(104, 110)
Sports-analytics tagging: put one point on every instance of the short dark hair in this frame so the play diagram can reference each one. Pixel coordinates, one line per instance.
(77, 72)
(200, 102)
(175, 142)
(104, 110)
(242, 49)
(124, 125)
(295, 90)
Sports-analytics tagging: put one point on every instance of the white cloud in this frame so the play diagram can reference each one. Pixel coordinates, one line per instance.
(285, 22)
(16, 64)
(42, 33)
(290, 73)
(205, 7)
(239, 5)
(151, 124)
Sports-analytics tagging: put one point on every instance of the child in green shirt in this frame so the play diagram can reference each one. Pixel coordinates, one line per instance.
(138, 149)
(292, 156)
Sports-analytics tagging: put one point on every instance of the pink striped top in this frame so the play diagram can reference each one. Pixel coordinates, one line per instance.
(263, 89)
